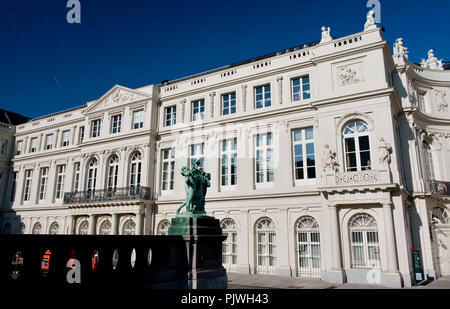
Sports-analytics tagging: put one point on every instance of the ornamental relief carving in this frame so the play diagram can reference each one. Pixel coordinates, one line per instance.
(442, 105)
(350, 74)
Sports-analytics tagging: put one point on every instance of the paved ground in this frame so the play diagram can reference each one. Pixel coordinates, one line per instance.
(239, 281)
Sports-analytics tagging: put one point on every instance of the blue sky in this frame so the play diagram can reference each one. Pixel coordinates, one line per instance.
(48, 65)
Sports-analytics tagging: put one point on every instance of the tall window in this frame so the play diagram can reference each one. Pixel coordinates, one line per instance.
(168, 168)
(198, 110)
(113, 172)
(4, 147)
(33, 144)
(138, 119)
(356, 146)
(105, 227)
(65, 138)
(229, 103)
(308, 247)
(228, 162)
(13, 189)
(364, 244)
(135, 170)
(76, 177)
(54, 229)
(300, 88)
(116, 123)
(264, 158)
(428, 160)
(19, 147)
(83, 228)
(197, 154)
(60, 175)
(266, 257)
(305, 162)
(49, 141)
(37, 229)
(81, 135)
(163, 227)
(262, 96)
(43, 183)
(129, 227)
(229, 245)
(170, 116)
(95, 128)
(27, 185)
(92, 175)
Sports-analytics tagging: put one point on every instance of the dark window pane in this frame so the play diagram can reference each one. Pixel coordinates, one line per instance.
(364, 143)
(349, 144)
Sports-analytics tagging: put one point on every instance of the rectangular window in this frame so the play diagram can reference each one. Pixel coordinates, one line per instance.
(60, 175)
(168, 168)
(138, 119)
(43, 183)
(76, 177)
(19, 147)
(81, 135)
(262, 96)
(264, 158)
(13, 189)
(49, 141)
(197, 154)
(4, 147)
(198, 110)
(33, 144)
(304, 159)
(170, 116)
(229, 103)
(228, 162)
(95, 128)
(116, 123)
(27, 185)
(301, 89)
(65, 138)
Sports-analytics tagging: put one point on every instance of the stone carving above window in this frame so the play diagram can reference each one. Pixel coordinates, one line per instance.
(350, 74)
(353, 178)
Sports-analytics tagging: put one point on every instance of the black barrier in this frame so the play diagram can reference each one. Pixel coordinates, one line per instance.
(91, 261)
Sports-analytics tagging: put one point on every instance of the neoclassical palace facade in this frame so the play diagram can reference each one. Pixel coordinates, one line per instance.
(329, 159)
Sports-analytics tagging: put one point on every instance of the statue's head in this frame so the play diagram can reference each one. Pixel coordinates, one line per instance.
(185, 171)
(324, 29)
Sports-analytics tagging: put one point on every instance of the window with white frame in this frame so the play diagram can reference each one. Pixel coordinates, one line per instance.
(13, 187)
(356, 146)
(135, 170)
(116, 123)
(304, 159)
(440, 215)
(264, 158)
(262, 96)
(33, 144)
(198, 110)
(113, 172)
(129, 227)
(81, 134)
(54, 228)
(229, 245)
(27, 185)
(19, 147)
(229, 103)
(168, 169)
(138, 119)
(65, 138)
(170, 116)
(91, 175)
(308, 247)
(228, 163)
(300, 88)
(197, 152)
(428, 160)
(60, 175)
(49, 142)
(76, 177)
(364, 243)
(266, 244)
(37, 229)
(43, 183)
(163, 227)
(95, 128)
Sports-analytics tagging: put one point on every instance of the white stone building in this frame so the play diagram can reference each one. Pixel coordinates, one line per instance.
(328, 160)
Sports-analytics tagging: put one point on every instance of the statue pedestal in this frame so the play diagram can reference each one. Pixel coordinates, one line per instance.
(203, 237)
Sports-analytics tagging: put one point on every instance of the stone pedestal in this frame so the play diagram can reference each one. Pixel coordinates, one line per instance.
(203, 237)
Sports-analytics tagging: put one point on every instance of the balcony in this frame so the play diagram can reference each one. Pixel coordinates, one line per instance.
(360, 180)
(437, 187)
(107, 195)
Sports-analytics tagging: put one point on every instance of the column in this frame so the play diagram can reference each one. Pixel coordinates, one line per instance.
(51, 185)
(183, 110)
(390, 238)
(280, 89)
(92, 224)
(18, 198)
(282, 157)
(145, 166)
(114, 224)
(283, 268)
(25, 145)
(335, 238)
(244, 97)
(73, 134)
(55, 144)
(211, 104)
(243, 266)
(72, 223)
(40, 143)
(139, 223)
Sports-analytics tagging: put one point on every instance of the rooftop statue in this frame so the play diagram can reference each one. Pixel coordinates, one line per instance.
(399, 49)
(196, 184)
(326, 36)
(432, 62)
(370, 22)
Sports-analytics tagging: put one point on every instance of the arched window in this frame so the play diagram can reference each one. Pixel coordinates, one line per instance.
(229, 245)
(6, 229)
(356, 146)
(20, 229)
(163, 227)
(440, 215)
(266, 258)
(92, 175)
(105, 227)
(113, 173)
(135, 170)
(84, 228)
(37, 229)
(308, 247)
(129, 227)
(54, 229)
(428, 160)
(365, 248)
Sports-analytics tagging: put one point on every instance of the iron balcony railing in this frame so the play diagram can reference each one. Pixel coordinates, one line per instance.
(438, 187)
(104, 195)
